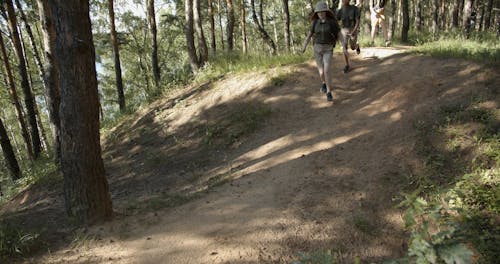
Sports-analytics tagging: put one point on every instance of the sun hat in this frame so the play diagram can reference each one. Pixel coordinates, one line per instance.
(322, 6)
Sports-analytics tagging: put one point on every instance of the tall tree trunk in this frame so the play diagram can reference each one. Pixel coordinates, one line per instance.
(8, 153)
(392, 17)
(202, 43)
(36, 54)
(189, 31)
(212, 27)
(154, 36)
(444, 10)
(489, 8)
(481, 18)
(435, 17)
(230, 25)
(466, 16)
(50, 79)
(116, 53)
(13, 137)
(243, 16)
(85, 186)
(367, 19)
(28, 96)
(261, 13)
(15, 99)
(43, 136)
(406, 21)
(45, 141)
(456, 8)
(268, 40)
(418, 15)
(219, 8)
(287, 24)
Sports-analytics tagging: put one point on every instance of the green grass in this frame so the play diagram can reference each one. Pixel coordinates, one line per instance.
(454, 209)
(42, 172)
(483, 47)
(15, 241)
(364, 225)
(239, 63)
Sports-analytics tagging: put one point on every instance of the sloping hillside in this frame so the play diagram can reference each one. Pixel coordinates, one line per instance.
(257, 167)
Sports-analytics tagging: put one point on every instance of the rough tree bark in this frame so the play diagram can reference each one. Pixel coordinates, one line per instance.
(189, 31)
(243, 16)
(406, 21)
(212, 27)
(230, 25)
(85, 186)
(29, 100)
(154, 36)
(50, 79)
(8, 153)
(287, 24)
(116, 55)
(202, 43)
(15, 99)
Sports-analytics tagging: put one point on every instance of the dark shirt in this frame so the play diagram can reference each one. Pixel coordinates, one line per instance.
(325, 32)
(348, 15)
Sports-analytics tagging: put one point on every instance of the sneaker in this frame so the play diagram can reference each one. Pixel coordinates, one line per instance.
(358, 50)
(346, 69)
(323, 88)
(329, 97)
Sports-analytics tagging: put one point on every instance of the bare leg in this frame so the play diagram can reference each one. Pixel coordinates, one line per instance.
(327, 59)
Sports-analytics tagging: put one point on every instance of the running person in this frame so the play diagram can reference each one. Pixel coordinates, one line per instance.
(325, 31)
(349, 15)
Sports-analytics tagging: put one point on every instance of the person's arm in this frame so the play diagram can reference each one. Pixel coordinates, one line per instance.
(308, 39)
(354, 30)
(311, 33)
(357, 15)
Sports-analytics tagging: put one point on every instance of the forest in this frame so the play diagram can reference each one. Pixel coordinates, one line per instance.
(74, 71)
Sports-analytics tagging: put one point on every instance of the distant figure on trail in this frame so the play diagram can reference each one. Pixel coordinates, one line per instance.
(377, 8)
(325, 30)
(349, 15)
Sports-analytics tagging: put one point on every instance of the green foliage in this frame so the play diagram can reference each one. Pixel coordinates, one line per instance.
(42, 172)
(455, 215)
(434, 232)
(317, 257)
(364, 225)
(238, 63)
(81, 238)
(15, 241)
(483, 47)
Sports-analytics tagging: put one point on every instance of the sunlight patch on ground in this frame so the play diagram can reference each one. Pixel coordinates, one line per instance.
(380, 52)
(286, 97)
(304, 149)
(396, 116)
(388, 102)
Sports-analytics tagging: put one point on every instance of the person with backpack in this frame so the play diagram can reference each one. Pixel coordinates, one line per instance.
(349, 15)
(377, 8)
(325, 31)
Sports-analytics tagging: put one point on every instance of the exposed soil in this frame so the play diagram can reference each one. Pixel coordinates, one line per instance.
(313, 175)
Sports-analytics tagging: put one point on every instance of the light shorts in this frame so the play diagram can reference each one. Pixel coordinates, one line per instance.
(351, 40)
(323, 53)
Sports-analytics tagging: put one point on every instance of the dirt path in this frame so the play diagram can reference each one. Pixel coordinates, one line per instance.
(315, 176)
